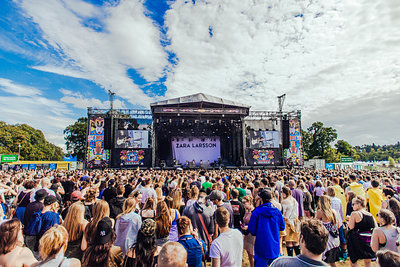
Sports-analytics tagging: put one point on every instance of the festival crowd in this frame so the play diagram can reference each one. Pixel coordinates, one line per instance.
(199, 218)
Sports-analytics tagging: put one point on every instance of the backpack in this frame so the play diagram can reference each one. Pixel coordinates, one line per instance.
(35, 224)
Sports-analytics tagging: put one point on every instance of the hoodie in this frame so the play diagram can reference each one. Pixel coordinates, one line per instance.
(358, 189)
(199, 209)
(265, 223)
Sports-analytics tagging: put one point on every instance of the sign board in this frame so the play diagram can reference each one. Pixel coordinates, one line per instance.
(329, 166)
(9, 158)
(346, 159)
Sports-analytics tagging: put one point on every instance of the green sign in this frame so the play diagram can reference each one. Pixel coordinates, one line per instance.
(9, 158)
(346, 160)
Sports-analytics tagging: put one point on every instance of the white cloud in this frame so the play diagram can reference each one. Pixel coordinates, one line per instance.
(129, 39)
(362, 120)
(28, 106)
(79, 101)
(10, 87)
(315, 51)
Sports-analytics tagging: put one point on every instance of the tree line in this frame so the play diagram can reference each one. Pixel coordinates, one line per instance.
(32, 143)
(317, 140)
(317, 143)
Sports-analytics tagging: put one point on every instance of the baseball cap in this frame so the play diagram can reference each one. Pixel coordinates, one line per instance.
(76, 195)
(215, 194)
(104, 231)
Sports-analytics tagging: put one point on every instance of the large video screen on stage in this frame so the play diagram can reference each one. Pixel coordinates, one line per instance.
(264, 139)
(132, 139)
(196, 148)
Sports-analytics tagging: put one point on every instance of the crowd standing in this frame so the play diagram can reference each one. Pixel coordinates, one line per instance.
(113, 218)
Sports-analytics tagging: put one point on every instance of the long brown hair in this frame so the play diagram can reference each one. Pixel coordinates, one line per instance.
(100, 210)
(149, 204)
(324, 205)
(73, 221)
(9, 231)
(163, 220)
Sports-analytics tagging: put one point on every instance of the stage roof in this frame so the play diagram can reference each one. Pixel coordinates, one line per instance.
(197, 98)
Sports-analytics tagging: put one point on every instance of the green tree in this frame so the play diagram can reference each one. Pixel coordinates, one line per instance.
(391, 162)
(75, 137)
(344, 148)
(320, 139)
(331, 155)
(32, 142)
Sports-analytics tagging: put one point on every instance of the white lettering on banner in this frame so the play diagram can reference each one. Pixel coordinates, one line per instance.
(196, 148)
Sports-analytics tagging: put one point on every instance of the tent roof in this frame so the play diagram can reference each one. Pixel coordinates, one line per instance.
(196, 98)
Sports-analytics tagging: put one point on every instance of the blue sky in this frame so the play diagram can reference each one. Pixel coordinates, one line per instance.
(334, 59)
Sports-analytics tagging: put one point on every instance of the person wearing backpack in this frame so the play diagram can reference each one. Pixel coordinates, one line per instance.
(31, 209)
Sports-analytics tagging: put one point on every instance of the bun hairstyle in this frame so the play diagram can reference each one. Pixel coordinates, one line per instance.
(183, 224)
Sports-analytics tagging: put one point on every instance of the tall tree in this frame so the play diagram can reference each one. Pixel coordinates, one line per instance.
(32, 143)
(75, 137)
(320, 139)
(344, 148)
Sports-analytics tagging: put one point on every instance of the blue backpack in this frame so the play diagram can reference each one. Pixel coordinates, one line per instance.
(35, 224)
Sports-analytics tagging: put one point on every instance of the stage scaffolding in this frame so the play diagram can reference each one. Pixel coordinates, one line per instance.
(145, 117)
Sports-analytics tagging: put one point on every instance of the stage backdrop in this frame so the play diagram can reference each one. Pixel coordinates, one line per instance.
(131, 157)
(196, 148)
(97, 156)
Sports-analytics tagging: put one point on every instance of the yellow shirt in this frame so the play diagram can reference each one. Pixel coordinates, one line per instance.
(339, 193)
(375, 198)
(358, 189)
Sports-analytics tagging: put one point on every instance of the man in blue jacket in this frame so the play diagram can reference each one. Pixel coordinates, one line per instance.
(265, 223)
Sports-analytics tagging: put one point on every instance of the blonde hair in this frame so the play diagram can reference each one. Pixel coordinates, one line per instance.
(159, 194)
(177, 199)
(73, 221)
(99, 211)
(128, 207)
(52, 242)
(324, 204)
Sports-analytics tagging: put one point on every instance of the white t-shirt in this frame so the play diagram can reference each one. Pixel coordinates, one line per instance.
(228, 247)
(148, 192)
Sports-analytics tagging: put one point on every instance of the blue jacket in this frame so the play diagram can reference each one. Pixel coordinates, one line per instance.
(194, 251)
(265, 223)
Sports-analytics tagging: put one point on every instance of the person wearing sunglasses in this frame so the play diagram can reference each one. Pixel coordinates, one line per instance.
(361, 225)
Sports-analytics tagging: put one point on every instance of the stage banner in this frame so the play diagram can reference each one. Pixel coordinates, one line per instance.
(264, 139)
(294, 154)
(132, 139)
(256, 157)
(131, 158)
(196, 148)
(97, 156)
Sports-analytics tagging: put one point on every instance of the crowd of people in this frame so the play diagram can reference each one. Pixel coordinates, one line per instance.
(197, 218)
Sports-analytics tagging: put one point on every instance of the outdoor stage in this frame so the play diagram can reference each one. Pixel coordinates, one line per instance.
(196, 131)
